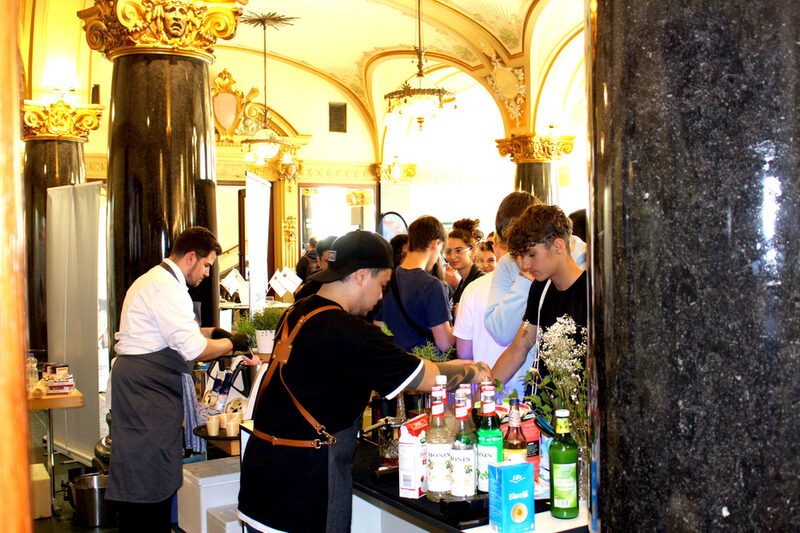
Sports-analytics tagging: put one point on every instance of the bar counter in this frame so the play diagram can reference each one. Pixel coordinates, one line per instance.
(377, 506)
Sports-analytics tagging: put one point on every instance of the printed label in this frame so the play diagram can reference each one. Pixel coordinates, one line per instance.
(462, 475)
(562, 425)
(488, 408)
(490, 450)
(515, 456)
(438, 467)
(565, 485)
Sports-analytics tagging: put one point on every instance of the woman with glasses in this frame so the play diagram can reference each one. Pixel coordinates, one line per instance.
(461, 242)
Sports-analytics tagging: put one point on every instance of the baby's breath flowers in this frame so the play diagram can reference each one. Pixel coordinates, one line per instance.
(565, 386)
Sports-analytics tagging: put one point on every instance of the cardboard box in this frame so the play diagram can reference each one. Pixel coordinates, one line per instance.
(223, 520)
(412, 457)
(512, 507)
(40, 484)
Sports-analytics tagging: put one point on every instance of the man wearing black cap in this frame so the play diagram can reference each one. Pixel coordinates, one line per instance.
(334, 362)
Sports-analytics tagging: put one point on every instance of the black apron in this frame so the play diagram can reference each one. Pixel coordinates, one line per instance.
(300, 489)
(146, 463)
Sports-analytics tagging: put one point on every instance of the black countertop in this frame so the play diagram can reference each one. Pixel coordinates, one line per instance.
(452, 517)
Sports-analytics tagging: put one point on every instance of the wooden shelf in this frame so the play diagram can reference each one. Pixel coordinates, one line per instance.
(73, 399)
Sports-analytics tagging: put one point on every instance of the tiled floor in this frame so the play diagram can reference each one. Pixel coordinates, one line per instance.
(66, 522)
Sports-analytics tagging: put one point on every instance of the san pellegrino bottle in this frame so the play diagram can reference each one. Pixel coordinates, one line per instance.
(490, 438)
(439, 444)
(515, 445)
(563, 469)
(463, 457)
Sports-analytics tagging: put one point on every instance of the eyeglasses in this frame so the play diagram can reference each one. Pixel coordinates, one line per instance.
(457, 251)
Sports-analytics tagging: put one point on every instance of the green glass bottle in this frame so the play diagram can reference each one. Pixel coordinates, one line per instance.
(563, 470)
(490, 438)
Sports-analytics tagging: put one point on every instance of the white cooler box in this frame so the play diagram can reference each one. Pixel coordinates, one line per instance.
(223, 520)
(205, 485)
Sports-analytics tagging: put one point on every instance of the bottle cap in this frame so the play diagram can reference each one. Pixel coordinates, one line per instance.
(441, 379)
(562, 413)
(513, 401)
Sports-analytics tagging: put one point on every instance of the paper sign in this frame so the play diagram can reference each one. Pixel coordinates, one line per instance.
(276, 282)
(233, 282)
(290, 280)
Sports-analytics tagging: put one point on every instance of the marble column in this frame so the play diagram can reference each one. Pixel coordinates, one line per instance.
(161, 177)
(536, 177)
(535, 157)
(695, 340)
(54, 135)
(161, 164)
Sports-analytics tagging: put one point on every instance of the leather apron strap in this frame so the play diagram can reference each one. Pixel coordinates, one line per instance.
(280, 356)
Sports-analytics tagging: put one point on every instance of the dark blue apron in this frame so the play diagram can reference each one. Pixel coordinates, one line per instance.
(146, 430)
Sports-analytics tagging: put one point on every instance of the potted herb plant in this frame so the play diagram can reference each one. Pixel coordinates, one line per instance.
(265, 322)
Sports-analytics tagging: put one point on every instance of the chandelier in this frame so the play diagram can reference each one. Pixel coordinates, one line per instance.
(266, 143)
(417, 100)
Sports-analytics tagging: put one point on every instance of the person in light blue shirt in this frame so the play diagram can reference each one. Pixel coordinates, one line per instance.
(508, 295)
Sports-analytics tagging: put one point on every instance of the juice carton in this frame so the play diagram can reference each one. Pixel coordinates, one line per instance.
(531, 431)
(511, 504)
(412, 456)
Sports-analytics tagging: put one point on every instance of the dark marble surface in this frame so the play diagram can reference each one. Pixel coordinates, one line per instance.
(535, 178)
(161, 174)
(696, 269)
(48, 163)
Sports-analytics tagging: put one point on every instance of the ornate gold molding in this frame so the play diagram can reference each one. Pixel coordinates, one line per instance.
(532, 148)
(179, 27)
(59, 120)
(509, 87)
(396, 172)
(289, 231)
(359, 198)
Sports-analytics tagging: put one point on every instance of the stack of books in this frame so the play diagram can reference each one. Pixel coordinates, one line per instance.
(57, 379)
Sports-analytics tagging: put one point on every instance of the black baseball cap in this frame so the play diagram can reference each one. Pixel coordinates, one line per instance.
(353, 251)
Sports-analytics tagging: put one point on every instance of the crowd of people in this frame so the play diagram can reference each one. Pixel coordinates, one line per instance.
(470, 294)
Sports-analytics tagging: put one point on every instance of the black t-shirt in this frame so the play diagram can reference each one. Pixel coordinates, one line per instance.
(572, 301)
(424, 298)
(337, 360)
(474, 273)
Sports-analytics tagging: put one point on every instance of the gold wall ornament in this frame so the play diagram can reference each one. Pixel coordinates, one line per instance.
(179, 27)
(228, 104)
(396, 172)
(59, 121)
(359, 198)
(509, 87)
(532, 148)
(289, 231)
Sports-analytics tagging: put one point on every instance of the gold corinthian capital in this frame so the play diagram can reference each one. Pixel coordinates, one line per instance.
(178, 27)
(533, 148)
(59, 120)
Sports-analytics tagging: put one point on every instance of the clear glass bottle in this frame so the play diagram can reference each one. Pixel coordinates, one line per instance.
(439, 444)
(463, 457)
(32, 371)
(490, 438)
(515, 445)
(563, 469)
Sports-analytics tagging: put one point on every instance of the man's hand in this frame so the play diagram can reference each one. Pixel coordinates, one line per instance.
(527, 274)
(250, 360)
(240, 341)
(482, 371)
(451, 275)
